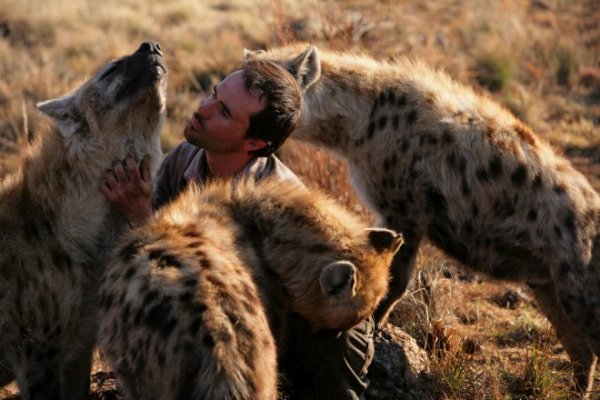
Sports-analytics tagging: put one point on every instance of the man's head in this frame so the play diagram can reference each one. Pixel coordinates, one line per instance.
(253, 110)
(283, 104)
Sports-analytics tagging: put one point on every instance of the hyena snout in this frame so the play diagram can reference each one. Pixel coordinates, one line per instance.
(150, 47)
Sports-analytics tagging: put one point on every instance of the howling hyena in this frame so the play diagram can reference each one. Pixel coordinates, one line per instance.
(193, 304)
(55, 224)
(436, 160)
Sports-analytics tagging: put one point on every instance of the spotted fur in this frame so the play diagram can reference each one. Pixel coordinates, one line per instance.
(437, 160)
(55, 225)
(194, 303)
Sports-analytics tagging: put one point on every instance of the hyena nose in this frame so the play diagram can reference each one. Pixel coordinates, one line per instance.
(151, 47)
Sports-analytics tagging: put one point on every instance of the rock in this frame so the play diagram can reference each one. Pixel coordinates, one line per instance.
(398, 366)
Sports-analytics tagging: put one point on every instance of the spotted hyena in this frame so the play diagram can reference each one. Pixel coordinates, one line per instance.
(437, 160)
(194, 303)
(55, 224)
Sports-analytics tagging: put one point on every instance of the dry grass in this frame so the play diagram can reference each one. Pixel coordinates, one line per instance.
(540, 58)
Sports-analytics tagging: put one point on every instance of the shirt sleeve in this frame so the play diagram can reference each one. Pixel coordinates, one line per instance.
(163, 190)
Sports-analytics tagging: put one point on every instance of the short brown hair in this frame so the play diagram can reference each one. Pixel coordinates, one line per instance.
(283, 108)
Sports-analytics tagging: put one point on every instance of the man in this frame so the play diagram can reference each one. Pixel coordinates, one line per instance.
(233, 134)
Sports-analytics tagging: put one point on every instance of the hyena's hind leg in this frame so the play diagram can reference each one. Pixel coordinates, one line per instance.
(575, 344)
(401, 270)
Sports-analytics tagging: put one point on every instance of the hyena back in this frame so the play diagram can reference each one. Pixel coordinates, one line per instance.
(195, 302)
(56, 226)
(437, 160)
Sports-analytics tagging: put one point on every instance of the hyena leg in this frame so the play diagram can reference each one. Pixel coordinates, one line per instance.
(401, 271)
(6, 373)
(575, 344)
(75, 383)
(37, 379)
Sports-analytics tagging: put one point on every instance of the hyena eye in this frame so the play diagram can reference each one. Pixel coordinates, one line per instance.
(108, 72)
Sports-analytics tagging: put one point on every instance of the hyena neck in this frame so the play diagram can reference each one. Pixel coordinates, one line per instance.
(336, 112)
(64, 183)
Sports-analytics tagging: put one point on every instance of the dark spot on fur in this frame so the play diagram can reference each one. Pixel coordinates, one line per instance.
(537, 182)
(447, 137)
(565, 268)
(359, 142)
(318, 248)
(559, 188)
(371, 130)
(167, 260)
(557, 231)
(391, 97)
(441, 229)
(208, 340)
(532, 215)
(149, 297)
(405, 145)
(382, 122)
(160, 318)
(464, 187)
(186, 297)
(495, 167)
(128, 252)
(396, 122)
(411, 117)
(190, 282)
(474, 209)
(570, 223)
(451, 160)
(195, 326)
(60, 258)
(156, 253)
(401, 102)
(519, 175)
(482, 174)
(31, 231)
(129, 273)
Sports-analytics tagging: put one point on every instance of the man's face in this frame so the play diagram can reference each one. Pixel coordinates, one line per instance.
(220, 123)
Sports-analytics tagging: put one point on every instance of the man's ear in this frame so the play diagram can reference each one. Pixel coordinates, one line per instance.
(253, 144)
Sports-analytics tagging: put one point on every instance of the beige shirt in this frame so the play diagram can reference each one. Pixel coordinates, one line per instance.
(187, 163)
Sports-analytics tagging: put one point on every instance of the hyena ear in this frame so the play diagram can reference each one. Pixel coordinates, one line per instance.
(338, 279)
(251, 54)
(385, 240)
(61, 111)
(306, 67)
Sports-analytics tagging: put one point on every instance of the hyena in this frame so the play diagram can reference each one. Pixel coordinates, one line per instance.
(437, 160)
(194, 303)
(56, 226)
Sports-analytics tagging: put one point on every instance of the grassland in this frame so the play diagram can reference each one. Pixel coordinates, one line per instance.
(539, 58)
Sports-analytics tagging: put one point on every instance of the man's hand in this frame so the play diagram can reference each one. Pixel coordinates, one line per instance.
(129, 189)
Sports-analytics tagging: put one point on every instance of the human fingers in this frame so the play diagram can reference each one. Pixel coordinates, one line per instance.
(119, 171)
(132, 170)
(145, 170)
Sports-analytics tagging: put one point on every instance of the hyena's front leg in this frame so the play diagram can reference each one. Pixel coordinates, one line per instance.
(582, 358)
(6, 373)
(401, 271)
(75, 379)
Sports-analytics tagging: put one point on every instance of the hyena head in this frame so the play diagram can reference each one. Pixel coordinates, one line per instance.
(119, 109)
(353, 277)
(334, 268)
